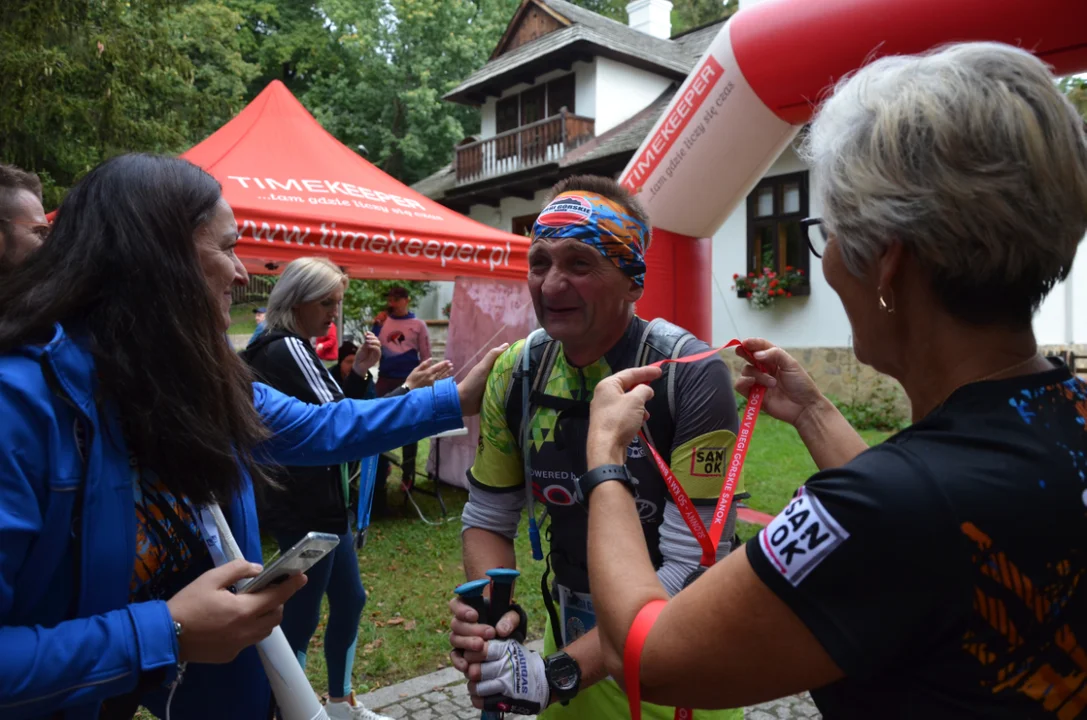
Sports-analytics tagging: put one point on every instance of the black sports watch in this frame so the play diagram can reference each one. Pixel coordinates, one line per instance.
(584, 485)
(563, 676)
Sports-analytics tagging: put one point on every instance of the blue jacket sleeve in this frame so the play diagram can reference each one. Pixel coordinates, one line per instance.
(350, 429)
(46, 666)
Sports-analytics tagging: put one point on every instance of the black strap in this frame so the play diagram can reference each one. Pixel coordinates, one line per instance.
(554, 402)
(549, 600)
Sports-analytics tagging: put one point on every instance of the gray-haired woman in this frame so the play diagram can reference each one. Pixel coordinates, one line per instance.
(301, 306)
(937, 574)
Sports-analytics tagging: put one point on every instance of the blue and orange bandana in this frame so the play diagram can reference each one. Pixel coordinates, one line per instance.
(599, 223)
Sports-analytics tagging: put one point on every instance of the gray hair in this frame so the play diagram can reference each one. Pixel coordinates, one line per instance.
(972, 158)
(303, 280)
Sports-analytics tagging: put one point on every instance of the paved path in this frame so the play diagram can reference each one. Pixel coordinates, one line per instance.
(443, 695)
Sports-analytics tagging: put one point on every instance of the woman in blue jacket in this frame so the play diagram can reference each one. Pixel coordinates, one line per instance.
(123, 412)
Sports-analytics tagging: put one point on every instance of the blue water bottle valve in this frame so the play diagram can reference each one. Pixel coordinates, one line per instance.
(534, 539)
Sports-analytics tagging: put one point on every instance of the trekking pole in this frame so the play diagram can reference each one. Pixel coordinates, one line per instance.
(502, 580)
(471, 593)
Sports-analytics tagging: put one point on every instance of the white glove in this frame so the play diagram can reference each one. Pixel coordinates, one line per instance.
(513, 679)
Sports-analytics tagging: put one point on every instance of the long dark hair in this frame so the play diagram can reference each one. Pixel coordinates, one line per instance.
(121, 273)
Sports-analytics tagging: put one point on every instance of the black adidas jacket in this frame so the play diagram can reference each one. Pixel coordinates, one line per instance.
(311, 498)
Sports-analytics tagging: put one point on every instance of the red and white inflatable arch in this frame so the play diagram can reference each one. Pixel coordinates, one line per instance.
(756, 86)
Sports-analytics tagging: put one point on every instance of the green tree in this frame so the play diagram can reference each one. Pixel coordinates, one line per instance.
(366, 298)
(614, 9)
(1075, 87)
(409, 54)
(688, 14)
(81, 82)
(288, 40)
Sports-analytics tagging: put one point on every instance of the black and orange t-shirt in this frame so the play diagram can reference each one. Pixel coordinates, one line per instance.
(944, 570)
(170, 551)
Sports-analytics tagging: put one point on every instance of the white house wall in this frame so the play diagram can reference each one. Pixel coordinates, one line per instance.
(1062, 319)
(585, 89)
(487, 122)
(501, 217)
(819, 320)
(622, 92)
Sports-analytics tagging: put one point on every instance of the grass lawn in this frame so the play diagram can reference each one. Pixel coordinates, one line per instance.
(410, 568)
(242, 321)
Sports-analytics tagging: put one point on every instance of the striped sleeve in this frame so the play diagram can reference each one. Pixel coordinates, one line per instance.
(310, 369)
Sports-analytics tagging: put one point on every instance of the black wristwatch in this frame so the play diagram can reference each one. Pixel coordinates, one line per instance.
(584, 485)
(563, 676)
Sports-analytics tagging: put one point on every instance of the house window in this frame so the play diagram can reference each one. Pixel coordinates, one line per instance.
(522, 225)
(533, 104)
(507, 113)
(536, 103)
(775, 238)
(560, 94)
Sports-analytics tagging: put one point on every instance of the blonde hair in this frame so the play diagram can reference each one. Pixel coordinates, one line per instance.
(972, 158)
(303, 280)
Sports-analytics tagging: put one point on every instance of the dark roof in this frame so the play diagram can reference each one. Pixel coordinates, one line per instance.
(434, 186)
(615, 31)
(589, 35)
(694, 42)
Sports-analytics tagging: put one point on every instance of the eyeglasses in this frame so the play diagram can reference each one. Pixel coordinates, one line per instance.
(818, 244)
(39, 229)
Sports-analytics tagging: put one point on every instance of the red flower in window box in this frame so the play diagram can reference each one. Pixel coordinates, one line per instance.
(766, 286)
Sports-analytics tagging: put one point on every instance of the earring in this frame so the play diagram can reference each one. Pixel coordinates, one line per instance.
(883, 305)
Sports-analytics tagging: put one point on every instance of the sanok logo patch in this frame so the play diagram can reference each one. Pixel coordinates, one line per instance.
(708, 461)
(801, 537)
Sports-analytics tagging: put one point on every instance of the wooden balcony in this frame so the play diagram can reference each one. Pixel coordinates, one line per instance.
(543, 141)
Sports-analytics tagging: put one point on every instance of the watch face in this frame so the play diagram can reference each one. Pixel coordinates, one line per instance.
(564, 673)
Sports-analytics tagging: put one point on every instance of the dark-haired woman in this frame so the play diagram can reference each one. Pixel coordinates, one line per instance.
(112, 442)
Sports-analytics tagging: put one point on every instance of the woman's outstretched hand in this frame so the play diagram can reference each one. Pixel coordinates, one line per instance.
(428, 372)
(790, 391)
(471, 388)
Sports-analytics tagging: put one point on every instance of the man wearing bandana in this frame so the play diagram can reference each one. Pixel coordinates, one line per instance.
(586, 272)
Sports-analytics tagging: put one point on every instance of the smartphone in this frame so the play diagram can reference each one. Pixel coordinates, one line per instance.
(300, 558)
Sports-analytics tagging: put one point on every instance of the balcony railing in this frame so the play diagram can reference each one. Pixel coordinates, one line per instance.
(540, 142)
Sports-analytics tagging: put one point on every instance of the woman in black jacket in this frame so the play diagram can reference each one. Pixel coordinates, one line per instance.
(302, 305)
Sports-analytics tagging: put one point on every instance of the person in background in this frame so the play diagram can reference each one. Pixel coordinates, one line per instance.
(112, 443)
(940, 573)
(326, 344)
(405, 343)
(302, 305)
(258, 316)
(23, 225)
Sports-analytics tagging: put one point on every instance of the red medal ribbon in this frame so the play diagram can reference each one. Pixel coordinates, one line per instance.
(708, 540)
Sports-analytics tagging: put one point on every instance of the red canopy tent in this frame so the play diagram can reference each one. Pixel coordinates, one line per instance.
(297, 191)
